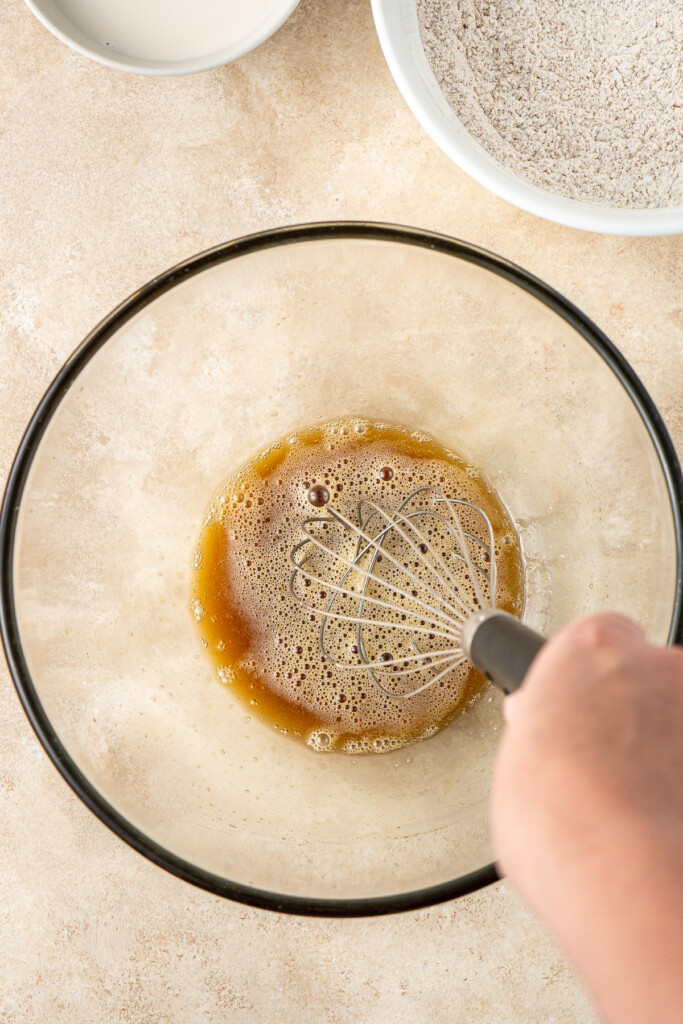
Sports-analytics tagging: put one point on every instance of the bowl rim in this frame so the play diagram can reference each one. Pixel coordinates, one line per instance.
(68, 374)
(397, 29)
(121, 61)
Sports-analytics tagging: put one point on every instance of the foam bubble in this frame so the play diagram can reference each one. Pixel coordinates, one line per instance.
(321, 740)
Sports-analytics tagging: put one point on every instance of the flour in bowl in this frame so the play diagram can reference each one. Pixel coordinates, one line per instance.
(584, 100)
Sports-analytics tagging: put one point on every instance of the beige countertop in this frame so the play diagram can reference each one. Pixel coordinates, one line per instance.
(108, 178)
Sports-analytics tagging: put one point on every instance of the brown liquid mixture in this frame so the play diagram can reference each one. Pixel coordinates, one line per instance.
(266, 646)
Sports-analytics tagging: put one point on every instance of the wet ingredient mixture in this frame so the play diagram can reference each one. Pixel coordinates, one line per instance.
(265, 646)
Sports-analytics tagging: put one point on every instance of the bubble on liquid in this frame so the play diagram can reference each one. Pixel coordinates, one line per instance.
(320, 740)
(318, 496)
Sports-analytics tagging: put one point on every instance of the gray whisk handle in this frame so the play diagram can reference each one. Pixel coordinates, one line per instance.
(501, 647)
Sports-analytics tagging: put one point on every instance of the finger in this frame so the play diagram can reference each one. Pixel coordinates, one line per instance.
(611, 625)
(614, 623)
(621, 624)
(510, 706)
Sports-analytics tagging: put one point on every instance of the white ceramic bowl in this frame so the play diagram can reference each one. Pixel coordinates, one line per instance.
(160, 37)
(399, 36)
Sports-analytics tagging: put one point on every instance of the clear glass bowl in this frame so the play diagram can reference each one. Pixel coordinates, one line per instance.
(214, 360)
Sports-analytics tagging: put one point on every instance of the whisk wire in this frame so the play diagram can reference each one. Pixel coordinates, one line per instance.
(425, 686)
(452, 659)
(389, 668)
(447, 580)
(466, 551)
(354, 564)
(401, 566)
(439, 617)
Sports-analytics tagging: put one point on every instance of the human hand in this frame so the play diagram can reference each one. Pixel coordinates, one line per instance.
(587, 811)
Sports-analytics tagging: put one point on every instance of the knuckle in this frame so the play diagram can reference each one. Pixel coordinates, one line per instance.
(595, 634)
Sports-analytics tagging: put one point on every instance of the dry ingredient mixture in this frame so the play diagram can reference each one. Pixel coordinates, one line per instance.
(264, 645)
(582, 99)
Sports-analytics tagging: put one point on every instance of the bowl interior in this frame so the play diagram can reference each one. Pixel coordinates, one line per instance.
(399, 35)
(260, 341)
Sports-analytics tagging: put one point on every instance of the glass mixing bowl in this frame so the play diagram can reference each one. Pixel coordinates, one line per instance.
(195, 372)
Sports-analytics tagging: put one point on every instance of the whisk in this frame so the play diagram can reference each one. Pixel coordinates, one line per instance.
(409, 595)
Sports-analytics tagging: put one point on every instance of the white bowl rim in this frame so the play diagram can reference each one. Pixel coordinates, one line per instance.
(397, 29)
(121, 61)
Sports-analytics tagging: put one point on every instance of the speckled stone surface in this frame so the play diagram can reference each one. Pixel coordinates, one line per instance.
(108, 178)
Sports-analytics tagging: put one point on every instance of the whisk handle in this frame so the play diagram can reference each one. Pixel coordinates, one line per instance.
(501, 647)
